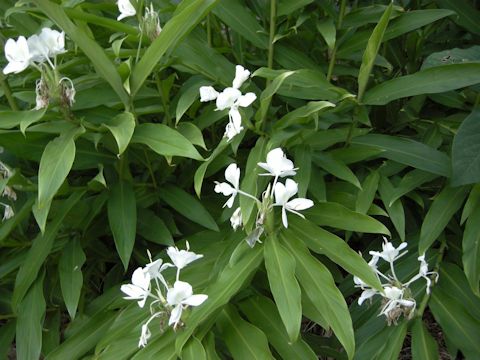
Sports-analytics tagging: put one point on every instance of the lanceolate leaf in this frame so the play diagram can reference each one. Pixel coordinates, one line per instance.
(12, 119)
(194, 350)
(173, 31)
(438, 216)
(322, 291)
(424, 346)
(280, 266)
(394, 209)
(324, 242)
(366, 196)
(430, 81)
(165, 141)
(471, 250)
(244, 340)
(122, 217)
(466, 151)
(121, 127)
(55, 164)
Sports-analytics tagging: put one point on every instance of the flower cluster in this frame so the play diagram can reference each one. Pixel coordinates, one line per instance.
(231, 98)
(6, 191)
(36, 51)
(178, 297)
(397, 297)
(277, 194)
(150, 23)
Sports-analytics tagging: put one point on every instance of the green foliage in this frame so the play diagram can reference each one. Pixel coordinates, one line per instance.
(376, 104)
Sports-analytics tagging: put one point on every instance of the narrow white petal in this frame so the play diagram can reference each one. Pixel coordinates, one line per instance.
(175, 315)
(280, 194)
(241, 75)
(246, 100)
(366, 294)
(291, 188)
(195, 300)
(299, 204)
(284, 218)
(232, 175)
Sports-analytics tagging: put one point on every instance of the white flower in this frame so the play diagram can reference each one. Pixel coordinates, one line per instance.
(139, 289)
(17, 54)
(282, 195)
(396, 301)
(145, 335)
(277, 164)
(241, 75)
(47, 44)
(232, 175)
(236, 219)
(366, 294)
(234, 126)
(8, 212)
(180, 296)
(155, 268)
(126, 9)
(182, 258)
(424, 273)
(389, 252)
(151, 23)
(208, 93)
(227, 98)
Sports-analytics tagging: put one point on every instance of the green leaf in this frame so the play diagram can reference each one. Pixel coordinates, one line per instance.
(30, 322)
(456, 322)
(336, 168)
(174, 30)
(263, 313)
(286, 7)
(122, 217)
(326, 28)
(319, 286)
(394, 342)
(303, 160)
(452, 56)
(193, 350)
(326, 243)
(338, 216)
(366, 196)
(371, 51)
(71, 278)
(192, 133)
(280, 266)
(98, 58)
(9, 225)
(467, 16)
(41, 247)
(202, 169)
(466, 151)
(188, 206)
(470, 204)
(424, 346)
(293, 117)
(237, 16)
(12, 119)
(471, 250)
(188, 94)
(229, 282)
(430, 81)
(411, 181)
(55, 164)
(439, 215)
(408, 152)
(243, 340)
(7, 336)
(165, 141)
(394, 209)
(121, 127)
(153, 228)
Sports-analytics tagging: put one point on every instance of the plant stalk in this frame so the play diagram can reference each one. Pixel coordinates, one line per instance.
(8, 93)
(333, 55)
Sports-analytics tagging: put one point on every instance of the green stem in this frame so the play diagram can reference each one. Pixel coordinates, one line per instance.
(333, 55)
(273, 17)
(150, 170)
(166, 109)
(209, 31)
(421, 308)
(8, 93)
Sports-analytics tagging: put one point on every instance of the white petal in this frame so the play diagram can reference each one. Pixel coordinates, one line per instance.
(126, 9)
(175, 315)
(284, 218)
(291, 188)
(133, 292)
(241, 75)
(280, 194)
(226, 99)
(366, 294)
(299, 204)
(230, 201)
(181, 290)
(246, 100)
(208, 93)
(232, 175)
(182, 258)
(224, 188)
(195, 300)
(140, 278)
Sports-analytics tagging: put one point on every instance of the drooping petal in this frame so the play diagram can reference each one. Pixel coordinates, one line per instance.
(175, 315)
(241, 75)
(195, 300)
(144, 336)
(284, 217)
(366, 294)
(246, 100)
(208, 93)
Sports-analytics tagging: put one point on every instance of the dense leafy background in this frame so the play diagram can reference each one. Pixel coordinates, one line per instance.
(378, 113)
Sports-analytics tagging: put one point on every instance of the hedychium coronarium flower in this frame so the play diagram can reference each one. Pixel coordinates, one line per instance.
(231, 98)
(6, 191)
(275, 194)
(165, 302)
(397, 295)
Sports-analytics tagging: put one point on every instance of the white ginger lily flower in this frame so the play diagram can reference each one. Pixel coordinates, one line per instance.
(282, 195)
(181, 296)
(424, 273)
(155, 268)
(47, 44)
(277, 164)
(241, 75)
(395, 301)
(234, 126)
(232, 175)
(139, 289)
(182, 258)
(145, 335)
(126, 9)
(366, 294)
(208, 93)
(389, 252)
(236, 219)
(17, 54)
